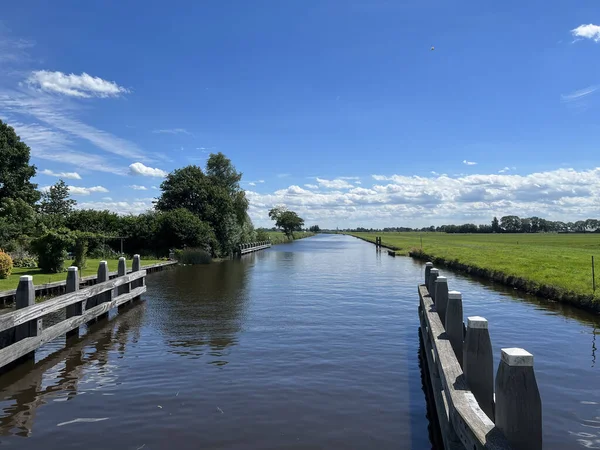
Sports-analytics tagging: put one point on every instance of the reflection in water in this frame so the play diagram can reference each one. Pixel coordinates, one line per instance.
(62, 375)
(203, 307)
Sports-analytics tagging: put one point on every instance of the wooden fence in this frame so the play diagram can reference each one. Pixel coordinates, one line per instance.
(59, 287)
(472, 414)
(253, 247)
(23, 330)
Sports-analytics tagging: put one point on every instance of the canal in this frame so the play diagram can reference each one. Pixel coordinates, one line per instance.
(307, 345)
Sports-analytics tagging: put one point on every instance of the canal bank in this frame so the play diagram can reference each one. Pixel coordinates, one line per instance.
(308, 345)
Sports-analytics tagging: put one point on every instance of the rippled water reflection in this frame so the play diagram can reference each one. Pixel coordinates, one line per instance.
(307, 345)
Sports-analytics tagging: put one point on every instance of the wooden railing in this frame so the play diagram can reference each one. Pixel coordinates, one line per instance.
(253, 247)
(23, 331)
(471, 413)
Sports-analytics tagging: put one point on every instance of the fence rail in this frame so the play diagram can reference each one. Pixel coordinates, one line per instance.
(460, 366)
(22, 331)
(254, 247)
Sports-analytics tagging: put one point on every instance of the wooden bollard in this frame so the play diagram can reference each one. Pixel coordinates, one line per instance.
(428, 267)
(433, 274)
(478, 363)
(106, 296)
(77, 308)
(518, 402)
(136, 265)
(441, 297)
(454, 323)
(24, 297)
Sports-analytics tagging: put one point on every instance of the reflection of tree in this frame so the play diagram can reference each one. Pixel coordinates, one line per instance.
(203, 306)
(28, 387)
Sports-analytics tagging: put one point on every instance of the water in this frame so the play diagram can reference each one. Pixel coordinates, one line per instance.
(306, 345)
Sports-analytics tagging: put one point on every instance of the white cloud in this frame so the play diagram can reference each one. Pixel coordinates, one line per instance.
(76, 190)
(155, 187)
(562, 194)
(349, 178)
(66, 175)
(577, 95)
(138, 168)
(589, 31)
(83, 86)
(260, 181)
(311, 186)
(136, 187)
(122, 207)
(507, 169)
(173, 131)
(469, 163)
(334, 184)
(252, 183)
(358, 182)
(108, 199)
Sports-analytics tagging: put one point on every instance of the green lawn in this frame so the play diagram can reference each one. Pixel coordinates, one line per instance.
(41, 278)
(561, 261)
(277, 237)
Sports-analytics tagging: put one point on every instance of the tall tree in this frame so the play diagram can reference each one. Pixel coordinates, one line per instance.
(15, 171)
(495, 225)
(56, 204)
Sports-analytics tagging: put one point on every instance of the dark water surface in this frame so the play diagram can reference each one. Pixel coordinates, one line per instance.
(304, 346)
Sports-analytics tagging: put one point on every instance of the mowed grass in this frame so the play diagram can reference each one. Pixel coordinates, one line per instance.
(563, 261)
(41, 278)
(277, 237)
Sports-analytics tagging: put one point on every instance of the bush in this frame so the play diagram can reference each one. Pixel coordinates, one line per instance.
(81, 247)
(193, 256)
(51, 249)
(103, 251)
(6, 265)
(262, 235)
(25, 262)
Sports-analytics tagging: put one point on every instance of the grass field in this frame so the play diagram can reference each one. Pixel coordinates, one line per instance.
(553, 265)
(277, 237)
(41, 278)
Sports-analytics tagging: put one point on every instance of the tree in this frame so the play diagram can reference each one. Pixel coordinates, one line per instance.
(56, 204)
(511, 224)
(15, 171)
(495, 225)
(287, 221)
(181, 228)
(315, 229)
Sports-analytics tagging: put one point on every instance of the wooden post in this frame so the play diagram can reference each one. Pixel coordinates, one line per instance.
(25, 297)
(121, 272)
(478, 363)
(428, 267)
(454, 323)
(441, 297)
(136, 265)
(433, 274)
(77, 308)
(518, 402)
(102, 277)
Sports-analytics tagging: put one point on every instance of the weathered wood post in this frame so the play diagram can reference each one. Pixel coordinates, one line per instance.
(106, 296)
(121, 272)
(136, 265)
(25, 297)
(518, 402)
(478, 363)
(454, 323)
(441, 297)
(433, 274)
(428, 267)
(77, 308)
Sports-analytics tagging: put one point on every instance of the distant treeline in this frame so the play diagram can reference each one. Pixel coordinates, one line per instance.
(506, 224)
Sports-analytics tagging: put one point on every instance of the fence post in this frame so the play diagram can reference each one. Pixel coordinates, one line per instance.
(454, 323)
(433, 274)
(106, 296)
(478, 363)
(25, 297)
(77, 308)
(441, 297)
(136, 265)
(518, 402)
(428, 267)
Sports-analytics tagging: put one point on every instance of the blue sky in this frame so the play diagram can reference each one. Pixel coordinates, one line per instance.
(338, 109)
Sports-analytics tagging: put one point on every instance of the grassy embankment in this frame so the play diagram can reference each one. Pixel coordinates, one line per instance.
(556, 266)
(277, 237)
(41, 278)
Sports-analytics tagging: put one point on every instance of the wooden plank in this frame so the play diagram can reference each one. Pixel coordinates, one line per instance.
(472, 426)
(24, 315)
(15, 351)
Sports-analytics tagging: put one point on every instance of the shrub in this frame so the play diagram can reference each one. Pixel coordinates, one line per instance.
(51, 249)
(81, 247)
(193, 256)
(6, 265)
(25, 262)
(262, 235)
